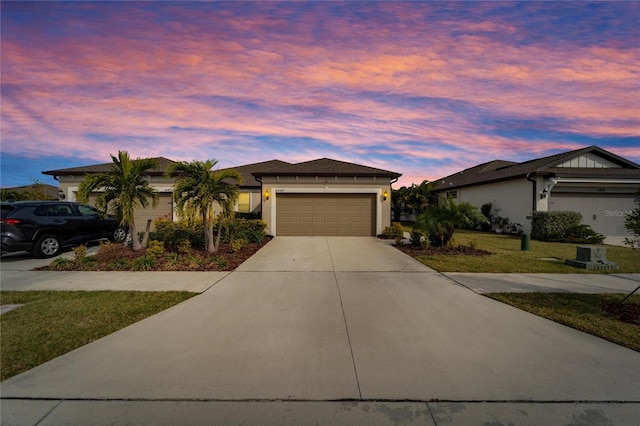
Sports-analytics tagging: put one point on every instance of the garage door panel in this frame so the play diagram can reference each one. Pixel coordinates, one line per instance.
(605, 213)
(325, 214)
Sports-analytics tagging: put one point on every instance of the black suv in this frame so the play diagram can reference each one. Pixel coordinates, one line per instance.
(44, 227)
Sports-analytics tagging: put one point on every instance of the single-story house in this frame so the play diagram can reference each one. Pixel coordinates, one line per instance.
(600, 185)
(319, 197)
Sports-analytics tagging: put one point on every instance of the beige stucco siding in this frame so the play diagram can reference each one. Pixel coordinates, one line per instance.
(512, 199)
(164, 208)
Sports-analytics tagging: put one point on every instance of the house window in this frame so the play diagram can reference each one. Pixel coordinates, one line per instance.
(452, 194)
(244, 203)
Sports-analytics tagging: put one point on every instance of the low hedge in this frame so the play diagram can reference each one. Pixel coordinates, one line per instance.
(173, 234)
(563, 226)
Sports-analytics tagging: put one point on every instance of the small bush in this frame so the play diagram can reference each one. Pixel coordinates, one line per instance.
(62, 263)
(632, 224)
(394, 231)
(119, 264)
(220, 262)
(184, 247)
(583, 234)
(419, 239)
(79, 254)
(144, 263)
(89, 260)
(238, 244)
(155, 249)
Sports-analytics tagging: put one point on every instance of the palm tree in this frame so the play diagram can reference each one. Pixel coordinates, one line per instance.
(198, 188)
(439, 222)
(127, 186)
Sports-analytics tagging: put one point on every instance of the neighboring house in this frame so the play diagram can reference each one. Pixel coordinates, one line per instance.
(70, 181)
(35, 191)
(319, 197)
(600, 185)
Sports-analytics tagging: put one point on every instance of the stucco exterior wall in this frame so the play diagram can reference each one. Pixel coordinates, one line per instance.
(512, 199)
(69, 187)
(325, 185)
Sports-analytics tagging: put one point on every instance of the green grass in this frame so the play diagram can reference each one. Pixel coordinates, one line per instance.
(507, 256)
(580, 311)
(52, 323)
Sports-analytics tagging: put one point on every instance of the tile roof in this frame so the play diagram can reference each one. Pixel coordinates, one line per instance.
(499, 170)
(323, 167)
(248, 180)
(163, 164)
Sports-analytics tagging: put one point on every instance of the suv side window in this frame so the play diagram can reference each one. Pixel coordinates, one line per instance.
(42, 210)
(88, 211)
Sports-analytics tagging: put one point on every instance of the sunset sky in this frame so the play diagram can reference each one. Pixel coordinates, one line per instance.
(425, 89)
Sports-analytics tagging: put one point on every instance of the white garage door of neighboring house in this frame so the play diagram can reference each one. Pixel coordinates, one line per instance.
(605, 213)
(325, 214)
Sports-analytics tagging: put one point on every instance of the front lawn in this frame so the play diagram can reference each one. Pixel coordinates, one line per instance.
(585, 312)
(52, 323)
(506, 256)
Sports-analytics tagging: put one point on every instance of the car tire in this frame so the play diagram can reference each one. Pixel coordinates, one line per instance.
(46, 246)
(119, 235)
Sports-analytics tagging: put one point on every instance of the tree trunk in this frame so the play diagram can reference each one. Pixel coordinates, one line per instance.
(145, 238)
(217, 244)
(135, 241)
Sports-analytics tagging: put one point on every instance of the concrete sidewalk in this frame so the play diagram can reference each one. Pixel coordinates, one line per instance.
(293, 338)
(548, 283)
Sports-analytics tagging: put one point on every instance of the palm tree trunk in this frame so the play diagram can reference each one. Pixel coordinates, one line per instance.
(211, 247)
(135, 240)
(217, 244)
(145, 238)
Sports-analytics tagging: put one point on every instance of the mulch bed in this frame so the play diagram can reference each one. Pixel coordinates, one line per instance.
(451, 251)
(195, 260)
(627, 312)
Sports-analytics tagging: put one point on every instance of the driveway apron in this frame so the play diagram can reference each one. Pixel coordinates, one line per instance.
(332, 318)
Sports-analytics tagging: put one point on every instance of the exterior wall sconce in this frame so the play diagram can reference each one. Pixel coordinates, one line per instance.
(61, 195)
(266, 195)
(385, 195)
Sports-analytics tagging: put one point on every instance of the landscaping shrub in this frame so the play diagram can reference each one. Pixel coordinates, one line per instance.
(583, 234)
(553, 226)
(419, 239)
(632, 223)
(155, 249)
(174, 233)
(252, 231)
(79, 254)
(394, 231)
(62, 263)
(144, 263)
(238, 244)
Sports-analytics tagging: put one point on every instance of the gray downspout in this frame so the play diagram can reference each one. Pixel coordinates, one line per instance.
(533, 198)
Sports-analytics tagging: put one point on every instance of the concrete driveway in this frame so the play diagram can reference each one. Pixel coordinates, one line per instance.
(326, 319)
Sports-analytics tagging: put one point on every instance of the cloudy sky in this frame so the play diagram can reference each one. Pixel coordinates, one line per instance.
(421, 88)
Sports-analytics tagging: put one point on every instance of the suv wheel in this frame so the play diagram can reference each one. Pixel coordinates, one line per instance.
(118, 235)
(46, 246)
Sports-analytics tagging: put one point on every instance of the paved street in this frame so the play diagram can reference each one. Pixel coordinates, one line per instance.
(304, 332)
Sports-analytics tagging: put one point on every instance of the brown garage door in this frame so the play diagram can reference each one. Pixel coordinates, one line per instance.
(325, 214)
